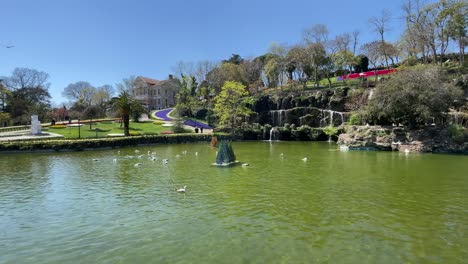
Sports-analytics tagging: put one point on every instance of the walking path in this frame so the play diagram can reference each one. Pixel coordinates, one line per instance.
(26, 134)
(163, 115)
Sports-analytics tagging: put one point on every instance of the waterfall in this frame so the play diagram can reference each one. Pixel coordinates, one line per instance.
(277, 117)
(274, 134)
(323, 121)
(371, 93)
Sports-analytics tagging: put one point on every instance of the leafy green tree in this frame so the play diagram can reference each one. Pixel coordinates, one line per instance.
(412, 96)
(186, 97)
(4, 119)
(361, 63)
(272, 72)
(231, 105)
(235, 59)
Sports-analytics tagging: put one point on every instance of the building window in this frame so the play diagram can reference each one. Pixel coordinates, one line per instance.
(158, 92)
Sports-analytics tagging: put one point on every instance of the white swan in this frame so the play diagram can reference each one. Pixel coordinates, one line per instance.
(304, 159)
(137, 164)
(177, 156)
(165, 161)
(182, 190)
(196, 153)
(245, 164)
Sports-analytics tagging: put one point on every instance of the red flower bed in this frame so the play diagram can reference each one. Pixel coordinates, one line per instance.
(167, 132)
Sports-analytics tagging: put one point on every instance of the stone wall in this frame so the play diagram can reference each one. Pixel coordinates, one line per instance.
(429, 139)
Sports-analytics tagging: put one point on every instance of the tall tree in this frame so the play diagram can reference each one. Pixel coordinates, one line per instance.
(457, 13)
(125, 104)
(231, 105)
(81, 93)
(381, 25)
(29, 94)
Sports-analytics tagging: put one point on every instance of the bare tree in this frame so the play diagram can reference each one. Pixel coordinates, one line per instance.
(203, 68)
(183, 68)
(381, 25)
(27, 78)
(127, 85)
(316, 34)
(355, 41)
(279, 51)
(81, 92)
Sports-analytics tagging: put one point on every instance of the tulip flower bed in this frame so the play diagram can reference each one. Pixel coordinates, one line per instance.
(194, 123)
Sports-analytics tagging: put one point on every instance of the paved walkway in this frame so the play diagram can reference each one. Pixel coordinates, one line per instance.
(163, 115)
(26, 135)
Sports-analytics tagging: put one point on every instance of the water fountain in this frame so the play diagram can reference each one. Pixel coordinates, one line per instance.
(225, 156)
(36, 128)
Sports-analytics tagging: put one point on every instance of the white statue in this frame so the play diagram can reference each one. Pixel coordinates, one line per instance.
(36, 128)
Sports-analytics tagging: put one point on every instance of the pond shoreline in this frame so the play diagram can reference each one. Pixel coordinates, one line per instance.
(428, 140)
(102, 143)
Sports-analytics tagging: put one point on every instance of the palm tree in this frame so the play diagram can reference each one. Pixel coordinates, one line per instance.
(123, 105)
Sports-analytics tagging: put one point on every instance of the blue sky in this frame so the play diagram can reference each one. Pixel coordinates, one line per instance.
(103, 41)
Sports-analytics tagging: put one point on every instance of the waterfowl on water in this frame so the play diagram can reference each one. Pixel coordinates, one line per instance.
(137, 164)
(182, 190)
(304, 159)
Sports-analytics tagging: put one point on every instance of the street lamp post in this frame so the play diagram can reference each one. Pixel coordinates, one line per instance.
(79, 129)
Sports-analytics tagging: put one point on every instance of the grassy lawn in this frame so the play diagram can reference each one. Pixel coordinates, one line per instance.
(105, 128)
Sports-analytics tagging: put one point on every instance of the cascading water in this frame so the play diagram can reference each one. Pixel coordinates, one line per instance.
(277, 117)
(323, 121)
(274, 134)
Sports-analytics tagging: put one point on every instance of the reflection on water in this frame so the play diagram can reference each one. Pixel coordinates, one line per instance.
(337, 206)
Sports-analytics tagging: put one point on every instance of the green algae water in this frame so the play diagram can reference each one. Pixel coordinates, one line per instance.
(336, 207)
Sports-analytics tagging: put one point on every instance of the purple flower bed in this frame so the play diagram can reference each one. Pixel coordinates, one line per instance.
(194, 123)
(163, 114)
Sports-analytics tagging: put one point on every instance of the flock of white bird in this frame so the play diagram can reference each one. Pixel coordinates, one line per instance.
(152, 156)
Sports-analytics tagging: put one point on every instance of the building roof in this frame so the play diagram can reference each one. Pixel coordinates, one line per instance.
(149, 80)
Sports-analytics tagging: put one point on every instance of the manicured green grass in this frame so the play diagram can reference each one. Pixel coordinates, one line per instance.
(104, 128)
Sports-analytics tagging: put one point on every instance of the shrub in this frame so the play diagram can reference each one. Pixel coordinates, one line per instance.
(457, 133)
(355, 119)
(330, 131)
(178, 127)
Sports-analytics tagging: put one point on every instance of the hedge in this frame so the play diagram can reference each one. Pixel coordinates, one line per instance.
(82, 144)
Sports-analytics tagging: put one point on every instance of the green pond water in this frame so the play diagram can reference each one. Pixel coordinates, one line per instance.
(336, 207)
